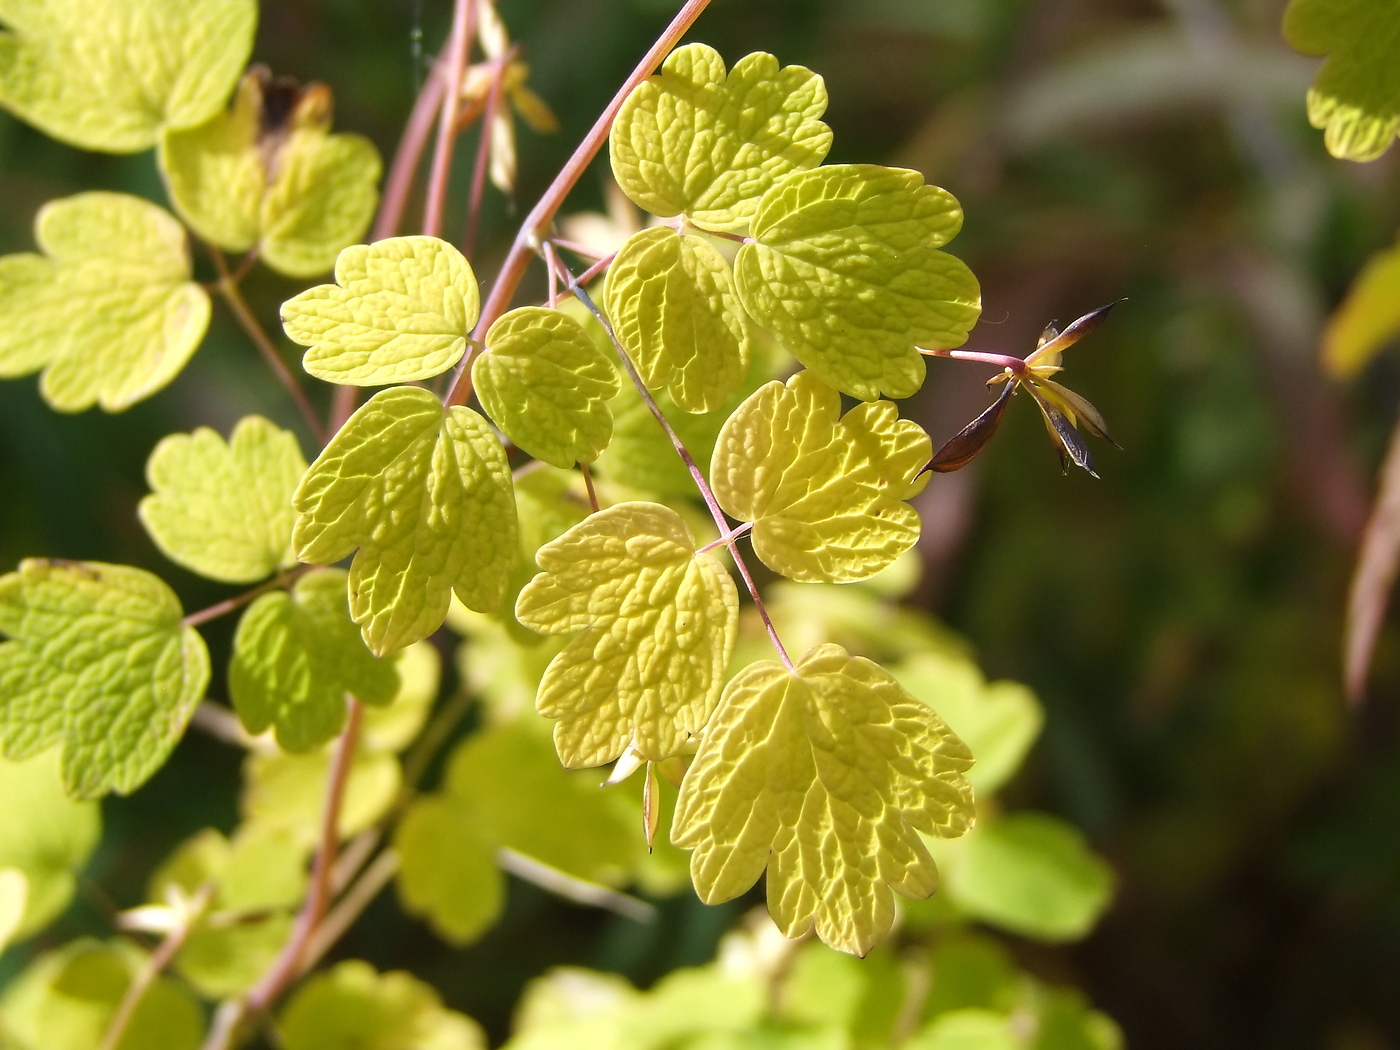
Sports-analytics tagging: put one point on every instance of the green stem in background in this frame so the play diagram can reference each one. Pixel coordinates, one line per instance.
(540, 217)
(227, 287)
(228, 605)
(483, 147)
(458, 48)
(695, 473)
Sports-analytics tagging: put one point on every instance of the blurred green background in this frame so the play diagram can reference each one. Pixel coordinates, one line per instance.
(1180, 618)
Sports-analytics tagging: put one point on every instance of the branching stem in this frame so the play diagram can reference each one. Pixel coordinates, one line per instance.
(1015, 364)
(227, 287)
(228, 605)
(458, 49)
(532, 230)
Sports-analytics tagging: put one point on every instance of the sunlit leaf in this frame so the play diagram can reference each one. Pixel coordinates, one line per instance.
(14, 901)
(969, 1029)
(45, 837)
(296, 657)
(283, 792)
(98, 663)
(825, 492)
(108, 311)
(825, 776)
(1368, 318)
(225, 510)
(447, 871)
(401, 309)
(395, 725)
(109, 74)
(842, 268)
(691, 140)
(655, 625)
(268, 174)
(672, 303)
(423, 497)
(1356, 97)
(547, 385)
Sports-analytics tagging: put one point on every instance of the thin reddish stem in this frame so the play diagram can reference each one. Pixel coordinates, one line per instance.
(483, 149)
(578, 249)
(588, 483)
(695, 473)
(228, 605)
(403, 172)
(458, 48)
(542, 214)
(1017, 365)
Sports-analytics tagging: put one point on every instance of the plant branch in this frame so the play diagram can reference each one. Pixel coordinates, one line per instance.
(458, 48)
(153, 967)
(409, 156)
(588, 482)
(228, 605)
(695, 473)
(349, 908)
(1017, 365)
(484, 147)
(289, 963)
(227, 287)
(513, 269)
(580, 891)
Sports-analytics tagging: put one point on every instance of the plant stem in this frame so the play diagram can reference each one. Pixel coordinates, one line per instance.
(357, 898)
(699, 478)
(409, 156)
(513, 269)
(228, 605)
(578, 249)
(154, 966)
(458, 48)
(1015, 364)
(588, 482)
(288, 964)
(484, 146)
(228, 288)
(728, 538)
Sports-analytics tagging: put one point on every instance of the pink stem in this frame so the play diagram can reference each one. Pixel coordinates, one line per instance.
(458, 47)
(483, 149)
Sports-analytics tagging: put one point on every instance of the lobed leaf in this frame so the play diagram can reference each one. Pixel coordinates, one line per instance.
(287, 793)
(225, 510)
(423, 497)
(447, 870)
(99, 663)
(110, 74)
(672, 304)
(1356, 96)
(694, 141)
(108, 311)
(297, 656)
(656, 625)
(1368, 318)
(547, 385)
(842, 268)
(401, 310)
(825, 492)
(14, 900)
(826, 776)
(351, 1007)
(268, 174)
(45, 838)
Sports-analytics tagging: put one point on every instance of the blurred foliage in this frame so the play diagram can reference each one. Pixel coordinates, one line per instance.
(1179, 620)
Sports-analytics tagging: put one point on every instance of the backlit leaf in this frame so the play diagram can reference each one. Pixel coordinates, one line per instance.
(423, 497)
(14, 900)
(547, 385)
(297, 656)
(401, 309)
(969, 1029)
(1368, 318)
(691, 140)
(283, 792)
(1356, 97)
(109, 74)
(397, 724)
(98, 663)
(447, 871)
(108, 311)
(672, 303)
(268, 174)
(843, 270)
(351, 1007)
(225, 510)
(825, 776)
(825, 492)
(656, 624)
(45, 836)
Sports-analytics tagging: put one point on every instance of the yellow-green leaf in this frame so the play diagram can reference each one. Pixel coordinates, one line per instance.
(825, 492)
(396, 725)
(45, 836)
(694, 141)
(825, 776)
(297, 656)
(109, 74)
(14, 899)
(655, 624)
(98, 662)
(351, 1007)
(1368, 318)
(842, 269)
(268, 174)
(672, 303)
(423, 497)
(1356, 97)
(225, 510)
(108, 311)
(547, 385)
(283, 792)
(401, 310)
(447, 871)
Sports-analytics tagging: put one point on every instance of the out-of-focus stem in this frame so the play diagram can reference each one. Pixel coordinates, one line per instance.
(483, 148)
(458, 47)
